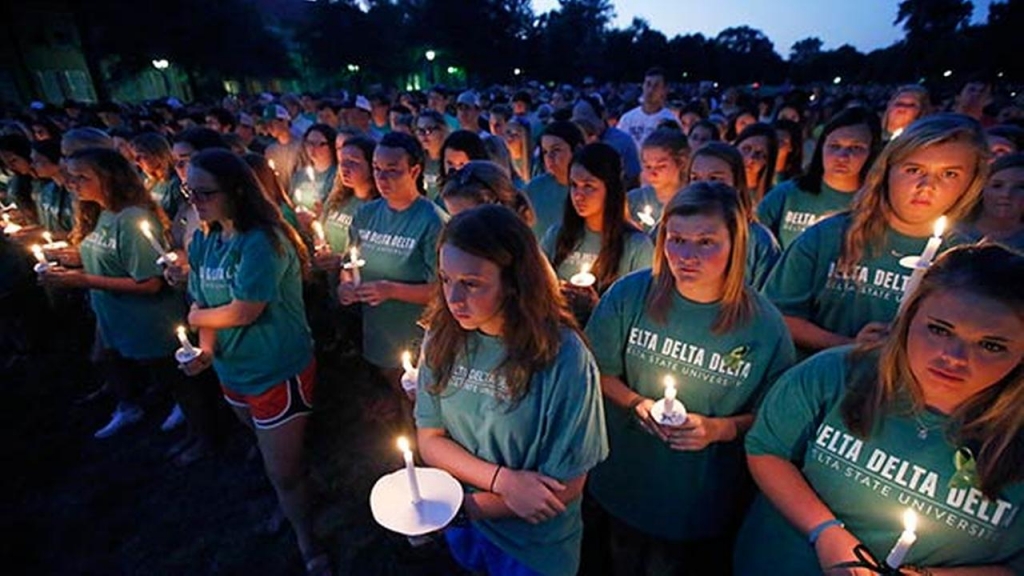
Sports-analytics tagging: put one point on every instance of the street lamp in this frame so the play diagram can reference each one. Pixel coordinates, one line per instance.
(161, 66)
(837, 80)
(353, 68)
(452, 69)
(517, 71)
(947, 73)
(430, 55)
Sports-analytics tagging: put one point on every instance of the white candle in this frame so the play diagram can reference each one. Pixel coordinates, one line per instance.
(311, 174)
(906, 540)
(647, 216)
(37, 251)
(584, 279)
(354, 264)
(48, 237)
(407, 361)
(923, 262)
(321, 238)
(273, 167)
(410, 469)
(147, 231)
(670, 395)
(10, 227)
(896, 133)
(183, 339)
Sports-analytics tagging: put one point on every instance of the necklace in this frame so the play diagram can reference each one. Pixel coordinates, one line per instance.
(923, 429)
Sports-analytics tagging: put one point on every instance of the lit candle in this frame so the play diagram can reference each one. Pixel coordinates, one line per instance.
(273, 167)
(10, 227)
(906, 540)
(37, 251)
(584, 279)
(48, 237)
(896, 133)
(321, 238)
(183, 339)
(923, 262)
(147, 231)
(410, 469)
(354, 264)
(311, 174)
(407, 361)
(670, 395)
(50, 244)
(647, 216)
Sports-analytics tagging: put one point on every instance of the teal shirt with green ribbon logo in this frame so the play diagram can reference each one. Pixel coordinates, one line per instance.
(247, 267)
(670, 494)
(556, 429)
(868, 483)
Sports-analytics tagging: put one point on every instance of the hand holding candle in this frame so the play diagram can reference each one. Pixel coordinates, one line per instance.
(668, 410)
(354, 264)
(50, 244)
(670, 394)
(10, 227)
(147, 231)
(905, 541)
(923, 263)
(647, 216)
(584, 279)
(320, 240)
(42, 265)
(410, 469)
(187, 352)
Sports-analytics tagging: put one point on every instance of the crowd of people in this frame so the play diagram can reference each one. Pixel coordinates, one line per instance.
(573, 272)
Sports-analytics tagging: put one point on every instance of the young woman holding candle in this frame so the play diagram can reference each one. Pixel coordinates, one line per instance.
(518, 137)
(999, 217)
(508, 399)
(675, 494)
(313, 181)
(842, 157)
(55, 206)
(548, 192)
(135, 311)
(928, 419)
(432, 130)
(246, 284)
(594, 231)
(720, 162)
(665, 161)
(353, 188)
(841, 280)
(396, 235)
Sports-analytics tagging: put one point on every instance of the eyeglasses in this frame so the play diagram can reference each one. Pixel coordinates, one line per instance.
(191, 193)
(427, 130)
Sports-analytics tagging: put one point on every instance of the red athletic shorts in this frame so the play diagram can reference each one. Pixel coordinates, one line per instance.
(281, 402)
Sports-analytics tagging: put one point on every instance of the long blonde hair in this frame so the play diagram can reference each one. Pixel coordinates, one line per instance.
(872, 206)
(990, 423)
(708, 198)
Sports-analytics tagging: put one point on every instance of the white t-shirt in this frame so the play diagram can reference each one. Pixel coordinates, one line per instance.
(639, 125)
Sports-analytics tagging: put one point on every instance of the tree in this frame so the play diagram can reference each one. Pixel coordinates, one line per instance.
(932, 27)
(745, 55)
(572, 39)
(803, 51)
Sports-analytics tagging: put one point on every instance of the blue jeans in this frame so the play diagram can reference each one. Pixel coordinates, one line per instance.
(473, 551)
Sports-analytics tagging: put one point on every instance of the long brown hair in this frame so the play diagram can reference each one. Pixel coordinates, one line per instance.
(533, 309)
(249, 205)
(732, 157)
(605, 164)
(123, 187)
(268, 180)
(872, 207)
(707, 198)
(341, 193)
(991, 422)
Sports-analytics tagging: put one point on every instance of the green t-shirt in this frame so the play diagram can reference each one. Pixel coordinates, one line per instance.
(167, 194)
(139, 326)
(1014, 241)
(806, 284)
(309, 193)
(55, 207)
(787, 210)
(667, 493)
(548, 199)
(556, 429)
(246, 267)
(868, 482)
(636, 255)
(401, 247)
(289, 215)
(762, 254)
(639, 199)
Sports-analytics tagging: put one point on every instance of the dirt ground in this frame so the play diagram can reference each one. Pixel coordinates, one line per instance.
(75, 505)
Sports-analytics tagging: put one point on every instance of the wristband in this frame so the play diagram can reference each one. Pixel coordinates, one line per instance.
(495, 477)
(636, 402)
(815, 532)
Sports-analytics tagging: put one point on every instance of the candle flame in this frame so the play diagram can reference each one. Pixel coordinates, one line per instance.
(311, 173)
(585, 268)
(144, 226)
(353, 255)
(406, 357)
(648, 210)
(403, 444)
(271, 164)
(318, 229)
(181, 330)
(37, 250)
(670, 382)
(940, 226)
(48, 237)
(909, 520)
